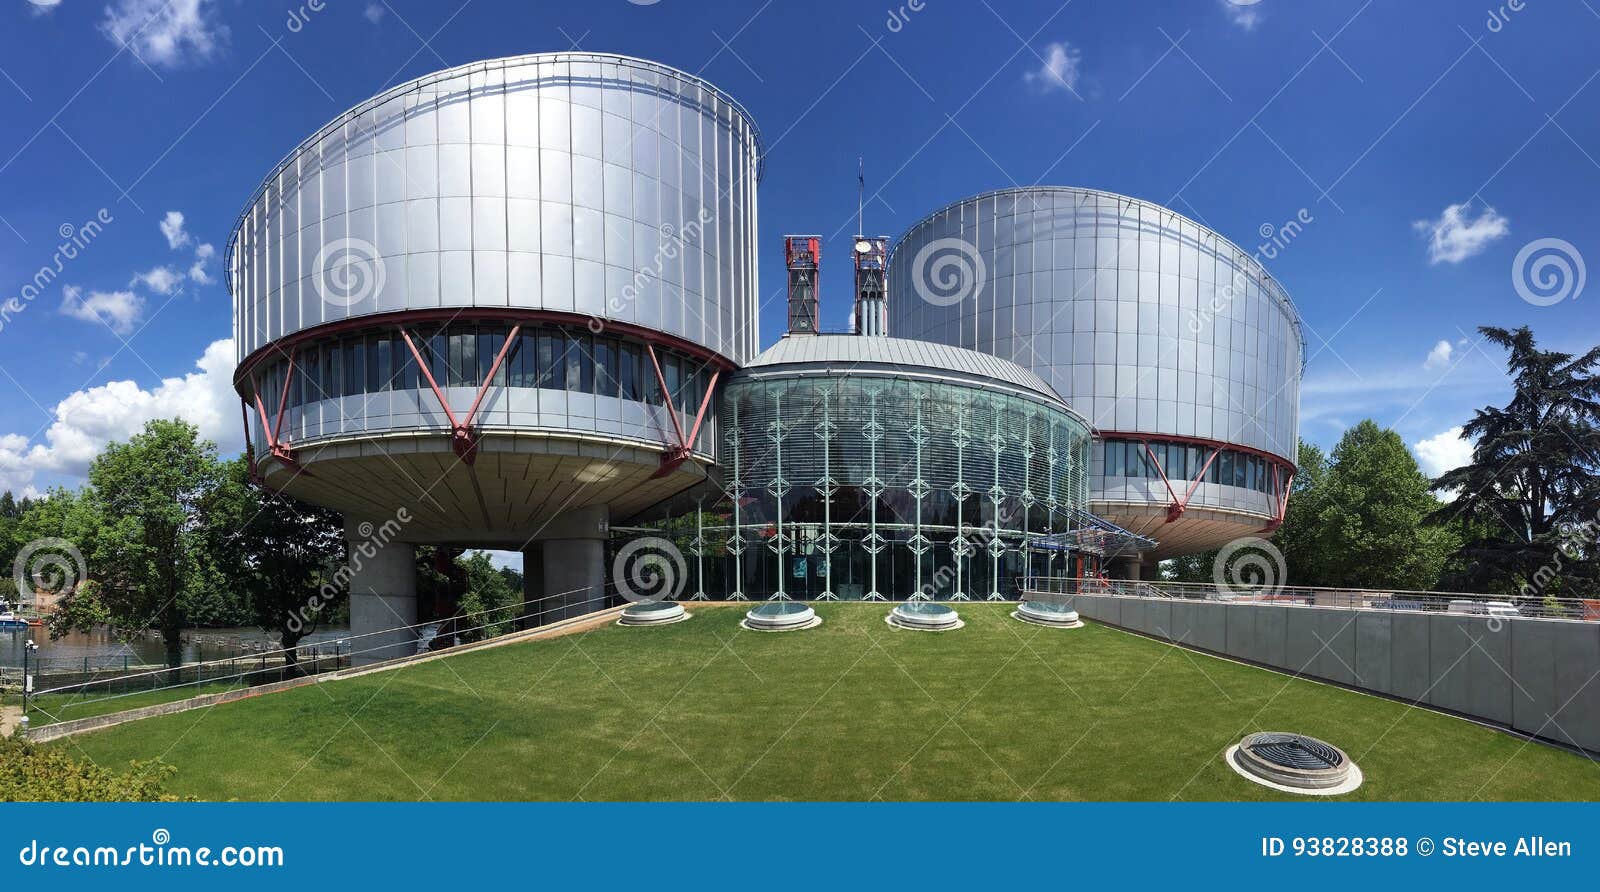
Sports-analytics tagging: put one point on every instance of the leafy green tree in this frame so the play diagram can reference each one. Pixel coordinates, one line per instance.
(146, 545)
(277, 556)
(1368, 530)
(62, 515)
(1530, 498)
(489, 592)
(1297, 538)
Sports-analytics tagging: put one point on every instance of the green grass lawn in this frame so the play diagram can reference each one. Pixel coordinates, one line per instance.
(851, 710)
(52, 708)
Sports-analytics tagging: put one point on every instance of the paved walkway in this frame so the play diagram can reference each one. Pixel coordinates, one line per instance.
(10, 717)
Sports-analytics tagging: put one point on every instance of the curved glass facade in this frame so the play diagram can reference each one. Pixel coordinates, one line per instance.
(552, 377)
(851, 485)
(592, 184)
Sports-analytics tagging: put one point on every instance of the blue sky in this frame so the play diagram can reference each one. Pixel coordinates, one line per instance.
(1428, 144)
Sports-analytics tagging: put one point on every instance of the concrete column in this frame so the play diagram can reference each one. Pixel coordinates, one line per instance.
(533, 605)
(383, 594)
(1131, 567)
(574, 577)
(574, 569)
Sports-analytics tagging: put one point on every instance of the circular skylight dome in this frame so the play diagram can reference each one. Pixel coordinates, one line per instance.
(1048, 613)
(924, 616)
(1294, 763)
(781, 616)
(652, 613)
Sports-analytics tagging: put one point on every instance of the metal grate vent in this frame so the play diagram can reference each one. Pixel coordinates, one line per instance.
(1294, 751)
(1294, 763)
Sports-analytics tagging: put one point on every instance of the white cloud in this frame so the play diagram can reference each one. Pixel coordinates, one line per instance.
(172, 228)
(165, 32)
(202, 258)
(1060, 69)
(1443, 452)
(161, 279)
(117, 309)
(1456, 235)
(374, 13)
(1244, 13)
(1439, 356)
(44, 7)
(89, 419)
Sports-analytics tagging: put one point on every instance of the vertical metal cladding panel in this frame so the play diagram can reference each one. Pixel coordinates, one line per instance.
(1140, 318)
(1374, 651)
(567, 181)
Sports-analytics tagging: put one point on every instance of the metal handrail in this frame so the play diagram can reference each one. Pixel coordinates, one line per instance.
(343, 650)
(1321, 596)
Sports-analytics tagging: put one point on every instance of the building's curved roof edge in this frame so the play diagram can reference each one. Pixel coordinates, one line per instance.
(891, 353)
(467, 68)
(1288, 302)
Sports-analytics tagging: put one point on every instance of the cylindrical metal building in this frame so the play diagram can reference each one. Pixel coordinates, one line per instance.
(1179, 347)
(466, 296)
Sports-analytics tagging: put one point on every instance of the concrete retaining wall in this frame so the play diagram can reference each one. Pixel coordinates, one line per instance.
(1538, 676)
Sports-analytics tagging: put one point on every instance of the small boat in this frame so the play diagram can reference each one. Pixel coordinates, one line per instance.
(9, 620)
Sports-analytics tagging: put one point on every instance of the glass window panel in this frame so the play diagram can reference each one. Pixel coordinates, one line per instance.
(631, 389)
(552, 360)
(605, 367)
(574, 362)
(489, 342)
(355, 367)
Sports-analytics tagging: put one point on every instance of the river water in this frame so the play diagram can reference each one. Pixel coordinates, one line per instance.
(105, 651)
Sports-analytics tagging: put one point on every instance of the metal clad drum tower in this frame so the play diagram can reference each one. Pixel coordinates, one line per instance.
(490, 308)
(1181, 349)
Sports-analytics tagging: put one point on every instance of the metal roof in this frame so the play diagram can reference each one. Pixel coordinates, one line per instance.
(866, 353)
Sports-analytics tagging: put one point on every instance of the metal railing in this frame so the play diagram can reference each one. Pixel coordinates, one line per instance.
(1584, 609)
(274, 665)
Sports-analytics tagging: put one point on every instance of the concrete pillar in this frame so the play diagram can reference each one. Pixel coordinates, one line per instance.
(1131, 567)
(533, 605)
(383, 594)
(574, 577)
(573, 564)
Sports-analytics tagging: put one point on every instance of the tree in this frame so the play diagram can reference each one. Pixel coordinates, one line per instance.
(1530, 498)
(1367, 531)
(277, 556)
(1304, 563)
(55, 530)
(489, 595)
(146, 545)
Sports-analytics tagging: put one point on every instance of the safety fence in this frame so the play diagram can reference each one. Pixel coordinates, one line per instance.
(1586, 609)
(110, 692)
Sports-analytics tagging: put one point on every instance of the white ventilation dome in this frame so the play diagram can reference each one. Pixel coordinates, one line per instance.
(781, 616)
(652, 613)
(924, 616)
